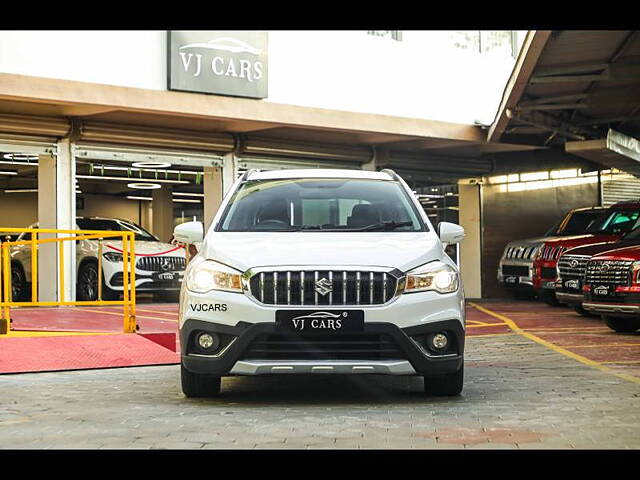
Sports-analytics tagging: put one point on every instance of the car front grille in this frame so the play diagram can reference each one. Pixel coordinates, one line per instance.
(323, 287)
(549, 252)
(520, 271)
(161, 264)
(608, 272)
(521, 253)
(361, 346)
(573, 266)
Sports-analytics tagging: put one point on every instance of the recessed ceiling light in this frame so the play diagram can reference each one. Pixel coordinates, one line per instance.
(144, 186)
(20, 156)
(151, 164)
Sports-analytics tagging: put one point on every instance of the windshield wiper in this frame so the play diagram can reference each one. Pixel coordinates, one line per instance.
(382, 226)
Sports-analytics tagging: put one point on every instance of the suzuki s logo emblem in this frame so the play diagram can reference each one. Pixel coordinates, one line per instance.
(573, 263)
(323, 286)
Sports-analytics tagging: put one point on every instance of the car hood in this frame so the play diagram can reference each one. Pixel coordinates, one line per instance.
(596, 248)
(401, 250)
(578, 240)
(142, 247)
(527, 242)
(628, 253)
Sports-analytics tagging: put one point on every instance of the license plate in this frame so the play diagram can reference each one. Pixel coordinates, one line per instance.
(320, 321)
(512, 280)
(573, 285)
(166, 276)
(602, 291)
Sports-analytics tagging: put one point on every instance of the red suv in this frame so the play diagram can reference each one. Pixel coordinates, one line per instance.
(616, 221)
(612, 288)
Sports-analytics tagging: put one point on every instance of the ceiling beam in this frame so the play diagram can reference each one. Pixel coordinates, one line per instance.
(530, 52)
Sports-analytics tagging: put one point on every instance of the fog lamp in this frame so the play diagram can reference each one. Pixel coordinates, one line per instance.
(206, 341)
(439, 341)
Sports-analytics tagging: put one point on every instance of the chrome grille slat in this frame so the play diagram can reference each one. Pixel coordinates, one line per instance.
(154, 264)
(348, 287)
(617, 272)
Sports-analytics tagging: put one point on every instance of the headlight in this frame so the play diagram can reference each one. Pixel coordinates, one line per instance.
(113, 256)
(436, 276)
(208, 275)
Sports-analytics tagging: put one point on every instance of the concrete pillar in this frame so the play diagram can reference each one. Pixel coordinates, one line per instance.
(229, 166)
(163, 213)
(56, 209)
(372, 164)
(470, 217)
(213, 188)
(146, 221)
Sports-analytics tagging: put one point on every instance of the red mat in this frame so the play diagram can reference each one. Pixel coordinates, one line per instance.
(42, 354)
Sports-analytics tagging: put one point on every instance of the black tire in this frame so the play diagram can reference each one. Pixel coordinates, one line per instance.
(197, 385)
(87, 284)
(549, 298)
(622, 325)
(581, 311)
(448, 385)
(19, 290)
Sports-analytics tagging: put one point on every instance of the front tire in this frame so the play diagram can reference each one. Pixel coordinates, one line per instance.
(549, 298)
(87, 285)
(198, 385)
(19, 291)
(622, 325)
(581, 311)
(448, 385)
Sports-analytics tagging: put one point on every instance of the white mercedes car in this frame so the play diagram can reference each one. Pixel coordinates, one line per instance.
(159, 266)
(321, 271)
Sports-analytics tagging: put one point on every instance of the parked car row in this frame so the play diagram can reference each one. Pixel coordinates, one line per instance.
(159, 266)
(593, 268)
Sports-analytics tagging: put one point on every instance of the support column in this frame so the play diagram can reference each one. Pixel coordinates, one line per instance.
(213, 188)
(163, 213)
(470, 218)
(228, 172)
(56, 209)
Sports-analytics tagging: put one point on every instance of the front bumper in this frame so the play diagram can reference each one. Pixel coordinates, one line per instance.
(569, 298)
(515, 274)
(235, 357)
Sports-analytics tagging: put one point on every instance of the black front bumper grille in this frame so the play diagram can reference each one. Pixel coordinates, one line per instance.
(324, 347)
(161, 264)
(306, 287)
(519, 271)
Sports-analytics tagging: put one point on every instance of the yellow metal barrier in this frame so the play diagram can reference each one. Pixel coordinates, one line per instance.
(129, 272)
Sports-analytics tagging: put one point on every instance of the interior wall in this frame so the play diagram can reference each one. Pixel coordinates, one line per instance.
(511, 216)
(19, 210)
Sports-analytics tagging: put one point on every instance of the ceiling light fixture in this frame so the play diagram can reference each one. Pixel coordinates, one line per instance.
(20, 156)
(127, 179)
(151, 164)
(143, 185)
(188, 194)
(21, 190)
(8, 173)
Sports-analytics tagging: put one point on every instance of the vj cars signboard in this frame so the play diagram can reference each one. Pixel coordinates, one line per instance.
(224, 63)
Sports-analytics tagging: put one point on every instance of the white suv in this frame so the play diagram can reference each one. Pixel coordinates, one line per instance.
(321, 271)
(159, 266)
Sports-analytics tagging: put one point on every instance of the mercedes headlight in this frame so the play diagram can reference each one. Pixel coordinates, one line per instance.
(113, 256)
(437, 276)
(207, 275)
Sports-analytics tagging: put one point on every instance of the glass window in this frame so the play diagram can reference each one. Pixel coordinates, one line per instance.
(579, 222)
(333, 204)
(617, 221)
(116, 226)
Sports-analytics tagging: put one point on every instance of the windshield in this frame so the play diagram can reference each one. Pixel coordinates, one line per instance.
(115, 225)
(578, 222)
(617, 221)
(331, 204)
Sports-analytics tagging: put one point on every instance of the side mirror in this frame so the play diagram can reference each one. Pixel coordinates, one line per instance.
(189, 232)
(450, 232)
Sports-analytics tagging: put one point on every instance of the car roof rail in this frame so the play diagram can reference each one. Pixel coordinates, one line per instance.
(391, 173)
(246, 174)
